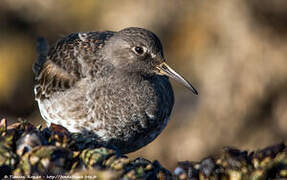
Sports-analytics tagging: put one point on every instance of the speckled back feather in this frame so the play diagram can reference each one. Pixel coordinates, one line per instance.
(58, 68)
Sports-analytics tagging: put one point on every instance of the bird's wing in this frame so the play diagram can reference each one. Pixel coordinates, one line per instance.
(58, 68)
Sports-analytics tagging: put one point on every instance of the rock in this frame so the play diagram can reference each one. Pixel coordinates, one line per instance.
(27, 151)
(232, 163)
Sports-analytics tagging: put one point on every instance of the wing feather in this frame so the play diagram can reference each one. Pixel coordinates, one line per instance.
(60, 67)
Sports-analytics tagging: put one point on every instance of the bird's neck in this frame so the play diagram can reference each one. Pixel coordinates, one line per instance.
(127, 76)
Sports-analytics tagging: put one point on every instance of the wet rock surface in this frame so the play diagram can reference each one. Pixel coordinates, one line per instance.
(231, 163)
(42, 153)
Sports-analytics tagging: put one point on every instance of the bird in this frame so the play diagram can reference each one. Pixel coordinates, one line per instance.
(114, 84)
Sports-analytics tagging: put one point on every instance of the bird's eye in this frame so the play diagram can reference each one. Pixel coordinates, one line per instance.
(139, 50)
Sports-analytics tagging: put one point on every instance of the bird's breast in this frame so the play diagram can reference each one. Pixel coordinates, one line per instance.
(130, 107)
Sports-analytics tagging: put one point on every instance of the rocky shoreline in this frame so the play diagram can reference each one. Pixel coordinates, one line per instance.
(33, 152)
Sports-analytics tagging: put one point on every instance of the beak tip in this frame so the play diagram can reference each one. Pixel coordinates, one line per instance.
(195, 91)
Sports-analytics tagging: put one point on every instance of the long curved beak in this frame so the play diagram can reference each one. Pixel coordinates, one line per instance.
(164, 69)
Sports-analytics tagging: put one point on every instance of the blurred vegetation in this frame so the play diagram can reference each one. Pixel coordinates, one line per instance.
(234, 52)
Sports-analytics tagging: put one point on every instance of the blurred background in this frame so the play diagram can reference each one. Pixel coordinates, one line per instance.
(234, 53)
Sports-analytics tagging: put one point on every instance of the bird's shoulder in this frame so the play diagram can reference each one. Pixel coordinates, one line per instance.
(67, 61)
(72, 51)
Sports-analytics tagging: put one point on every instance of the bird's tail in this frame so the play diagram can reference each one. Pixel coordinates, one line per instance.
(42, 49)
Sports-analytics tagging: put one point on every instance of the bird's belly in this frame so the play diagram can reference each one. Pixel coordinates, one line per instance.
(133, 116)
(126, 117)
(140, 139)
(124, 113)
(131, 133)
(64, 108)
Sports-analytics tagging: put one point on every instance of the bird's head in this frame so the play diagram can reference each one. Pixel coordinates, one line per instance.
(136, 50)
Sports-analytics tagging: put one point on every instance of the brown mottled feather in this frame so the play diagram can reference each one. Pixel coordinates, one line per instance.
(59, 68)
(51, 79)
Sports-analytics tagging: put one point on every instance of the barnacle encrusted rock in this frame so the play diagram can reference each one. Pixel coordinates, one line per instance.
(50, 153)
(43, 160)
(27, 151)
(232, 163)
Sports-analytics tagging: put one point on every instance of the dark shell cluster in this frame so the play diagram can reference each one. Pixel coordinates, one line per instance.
(231, 163)
(54, 153)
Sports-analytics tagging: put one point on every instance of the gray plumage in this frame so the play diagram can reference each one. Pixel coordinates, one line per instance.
(107, 83)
